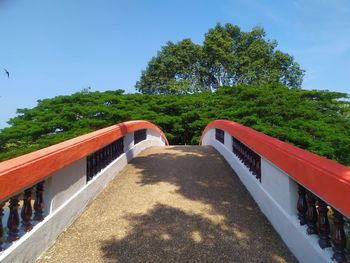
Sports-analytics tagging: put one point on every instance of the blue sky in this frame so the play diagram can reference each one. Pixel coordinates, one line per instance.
(56, 47)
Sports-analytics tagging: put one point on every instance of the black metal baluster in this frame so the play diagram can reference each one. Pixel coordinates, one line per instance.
(100, 160)
(339, 238)
(13, 220)
(121, 146)
(88, 168)
(103, 157)
(27, 210)
(248, 157)
(117, 148)
(109, 152)
(92, 165)
(301, 206)
(95, 164)
(323, 225)
(258, 168)
(220, 135)
(103, 154)
(105, 151)
(39, 202)
(311, 214)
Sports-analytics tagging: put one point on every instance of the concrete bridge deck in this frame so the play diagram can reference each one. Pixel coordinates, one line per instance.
(172, 204)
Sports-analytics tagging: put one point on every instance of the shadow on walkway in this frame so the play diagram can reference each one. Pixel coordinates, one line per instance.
(208, 216)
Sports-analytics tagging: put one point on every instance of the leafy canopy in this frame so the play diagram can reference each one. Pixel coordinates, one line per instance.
(227, 57)
(318, 121)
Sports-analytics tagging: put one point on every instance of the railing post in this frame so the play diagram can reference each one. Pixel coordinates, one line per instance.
(100, 153)
(97, 160)
(323, 225)
(109, 154)
(104, 157)
(250, 161)
(94, 164)
(311, 214)
(114, 150)
(301, 206)
(27, 210)
(88, 168)
(39, 202)
(258, 167)
(339, 238)
(100, 164)
(248, 157)
(13, 220)
(1, 225)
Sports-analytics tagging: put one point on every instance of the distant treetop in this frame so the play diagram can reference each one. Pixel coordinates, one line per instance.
(227, 57)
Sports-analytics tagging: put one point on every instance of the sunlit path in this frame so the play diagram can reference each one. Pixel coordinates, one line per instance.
(172, 204)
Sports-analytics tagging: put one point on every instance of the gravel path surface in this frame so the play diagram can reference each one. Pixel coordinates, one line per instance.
(172, 204)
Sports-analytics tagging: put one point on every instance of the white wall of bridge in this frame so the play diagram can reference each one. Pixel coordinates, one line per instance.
(276, 195)
(63, 184)
(67, 194)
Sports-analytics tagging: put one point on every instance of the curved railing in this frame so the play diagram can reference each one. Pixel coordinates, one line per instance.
(294, 188)
(22, 172)
(55, 175)
(314, 185)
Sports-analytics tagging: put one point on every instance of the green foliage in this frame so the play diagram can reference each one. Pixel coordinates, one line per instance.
(315, 120)
(175, 70)
(228, 56)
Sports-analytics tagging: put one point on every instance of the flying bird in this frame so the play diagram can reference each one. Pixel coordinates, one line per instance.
(7, 73)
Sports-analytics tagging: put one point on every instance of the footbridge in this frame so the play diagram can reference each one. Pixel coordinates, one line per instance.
(122, 194)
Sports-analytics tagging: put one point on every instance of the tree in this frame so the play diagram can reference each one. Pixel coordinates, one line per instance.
(175, 69)
(227, 57)
(314, 120)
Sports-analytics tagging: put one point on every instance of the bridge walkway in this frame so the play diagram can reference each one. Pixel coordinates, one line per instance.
(172, 204)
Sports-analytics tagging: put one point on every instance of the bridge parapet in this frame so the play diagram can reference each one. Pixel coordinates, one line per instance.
(42, 193)
(304, 196)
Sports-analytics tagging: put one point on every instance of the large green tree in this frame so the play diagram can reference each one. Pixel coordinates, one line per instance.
(228, 56)
(315, 120)
(176, 69)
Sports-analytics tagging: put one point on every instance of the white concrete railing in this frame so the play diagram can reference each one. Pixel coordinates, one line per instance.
(66, 193)
(276, 194)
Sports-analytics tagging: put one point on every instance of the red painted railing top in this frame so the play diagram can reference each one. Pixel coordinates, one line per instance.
(325, 178)
(22, 172)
